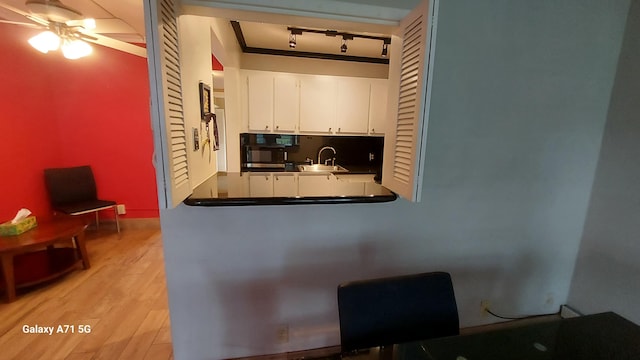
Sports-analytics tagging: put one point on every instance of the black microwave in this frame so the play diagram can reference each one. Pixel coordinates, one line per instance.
(265, 151)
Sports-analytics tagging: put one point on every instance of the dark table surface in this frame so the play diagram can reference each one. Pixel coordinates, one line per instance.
(605, 336)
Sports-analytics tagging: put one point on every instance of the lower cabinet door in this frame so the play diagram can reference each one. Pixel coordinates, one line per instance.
(261, 185)
(285, 185)
(316, 184)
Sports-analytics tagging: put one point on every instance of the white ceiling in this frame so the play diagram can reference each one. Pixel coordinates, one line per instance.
(119, 19)
(124, 20)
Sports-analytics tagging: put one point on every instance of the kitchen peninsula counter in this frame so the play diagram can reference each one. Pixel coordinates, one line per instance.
(288, 188)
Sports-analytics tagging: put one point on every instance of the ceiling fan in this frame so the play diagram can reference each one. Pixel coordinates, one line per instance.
(65, 28)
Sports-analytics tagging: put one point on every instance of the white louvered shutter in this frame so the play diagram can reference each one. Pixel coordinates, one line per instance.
(172, 166)
(409, 70)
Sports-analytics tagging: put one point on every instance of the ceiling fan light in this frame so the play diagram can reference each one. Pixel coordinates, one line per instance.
(75, 49)
(45, 41)
(89, 23)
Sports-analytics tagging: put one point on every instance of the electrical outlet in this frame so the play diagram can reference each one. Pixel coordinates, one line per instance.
(484, 306)
(283, 333)
(121, 209)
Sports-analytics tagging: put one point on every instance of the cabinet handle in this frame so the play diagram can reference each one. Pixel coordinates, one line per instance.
(277, 127)
(266, 127)
(339, 129)
(329, 129)
(373, 130)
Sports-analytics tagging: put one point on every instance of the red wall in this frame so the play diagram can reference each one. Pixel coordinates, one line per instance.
(57, 112)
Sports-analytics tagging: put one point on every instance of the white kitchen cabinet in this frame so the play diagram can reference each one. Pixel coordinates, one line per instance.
(261, 185)
(378, 106)
(286, 103)
(285, 185)
(260, 101)
(346, 187)
(237, 185)
(316, 184)
(318, 104)
(352, 106)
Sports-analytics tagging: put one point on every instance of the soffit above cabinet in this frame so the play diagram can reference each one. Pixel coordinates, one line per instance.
(312, 42)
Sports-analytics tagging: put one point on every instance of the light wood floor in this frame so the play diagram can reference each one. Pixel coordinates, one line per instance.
(122, 297)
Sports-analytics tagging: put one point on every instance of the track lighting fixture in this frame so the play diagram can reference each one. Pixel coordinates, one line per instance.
(292, 41)
(385, 46)
(292, 37)
(345, 36)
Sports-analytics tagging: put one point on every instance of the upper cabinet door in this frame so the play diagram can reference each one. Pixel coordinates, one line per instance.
(286, 103)
(317, 104)
(410, 71)
(378, 107)
(170, 141)
(260, 109)
(352, 112)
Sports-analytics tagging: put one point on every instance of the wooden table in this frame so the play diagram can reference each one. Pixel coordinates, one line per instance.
(32, 257)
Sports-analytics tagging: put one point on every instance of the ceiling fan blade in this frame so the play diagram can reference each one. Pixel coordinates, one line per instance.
(15, 10)
(35, 19)
(116, 44)
(21, 23)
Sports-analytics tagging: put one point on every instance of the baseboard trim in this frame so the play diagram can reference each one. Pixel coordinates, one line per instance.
(568, 312)
(142, 223)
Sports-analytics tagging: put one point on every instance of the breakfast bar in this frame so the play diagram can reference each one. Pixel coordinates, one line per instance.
(288, 188)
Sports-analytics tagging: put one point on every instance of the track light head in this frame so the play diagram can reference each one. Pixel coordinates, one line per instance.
(345, 37)
(292, 40)
(292, 36)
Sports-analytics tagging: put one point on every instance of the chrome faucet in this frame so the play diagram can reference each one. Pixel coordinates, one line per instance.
(333, 159)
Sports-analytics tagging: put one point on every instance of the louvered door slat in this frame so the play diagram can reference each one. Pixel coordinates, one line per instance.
(165, 70)
(409, 67)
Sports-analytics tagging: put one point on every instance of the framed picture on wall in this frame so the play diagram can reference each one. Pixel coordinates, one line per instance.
(205, 100)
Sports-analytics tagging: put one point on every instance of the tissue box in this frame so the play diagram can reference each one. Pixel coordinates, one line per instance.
(18, 228)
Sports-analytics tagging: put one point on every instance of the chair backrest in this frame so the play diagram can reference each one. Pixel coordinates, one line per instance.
(399, 309)
(70, 185)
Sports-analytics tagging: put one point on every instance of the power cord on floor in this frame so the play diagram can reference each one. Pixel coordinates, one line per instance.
(519, 318)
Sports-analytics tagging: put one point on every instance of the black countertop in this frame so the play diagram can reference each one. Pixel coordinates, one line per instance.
(288, 188)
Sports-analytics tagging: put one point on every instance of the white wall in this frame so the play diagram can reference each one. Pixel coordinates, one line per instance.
(195, 57)
(520, 98)
(229, 54)
(606, 275)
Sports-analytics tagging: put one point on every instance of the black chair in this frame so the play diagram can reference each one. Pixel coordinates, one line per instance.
(398, 309)
(72, 191)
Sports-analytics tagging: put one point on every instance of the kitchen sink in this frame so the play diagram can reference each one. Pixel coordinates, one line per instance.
(322, 168)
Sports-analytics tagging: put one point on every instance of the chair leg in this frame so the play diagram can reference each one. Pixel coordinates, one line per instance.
(115, 208)
(97, 221)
